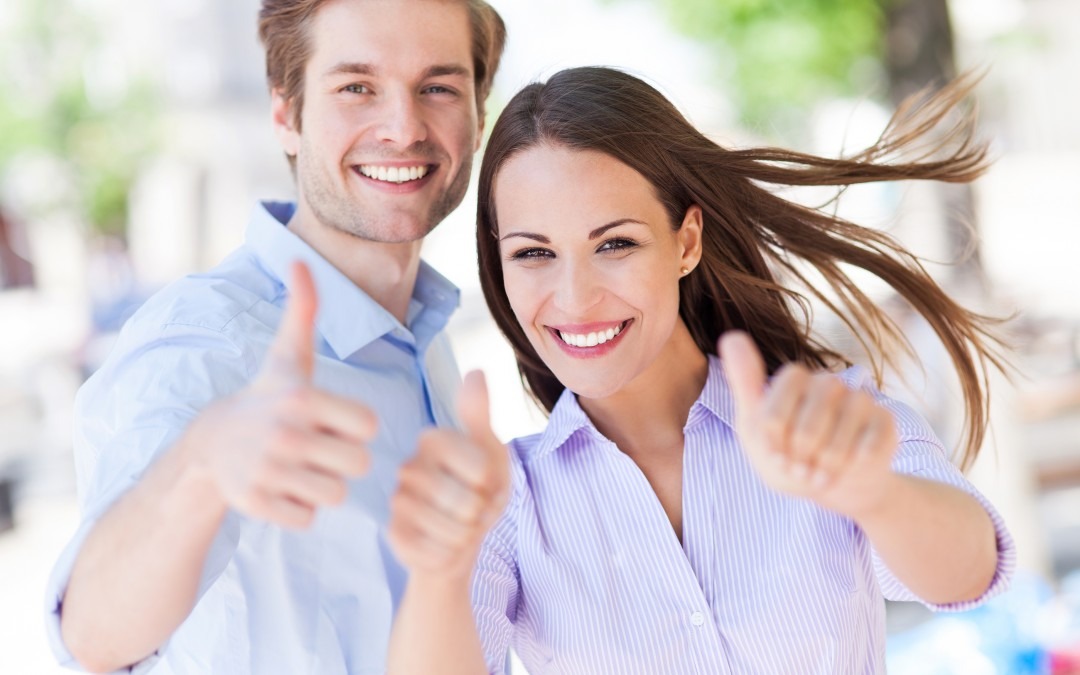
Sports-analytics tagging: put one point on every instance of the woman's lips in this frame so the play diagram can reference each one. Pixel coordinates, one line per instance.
(589, 340)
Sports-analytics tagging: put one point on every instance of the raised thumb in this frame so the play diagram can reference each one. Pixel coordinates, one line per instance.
(475, 413)
(745, 370)
(293, 350)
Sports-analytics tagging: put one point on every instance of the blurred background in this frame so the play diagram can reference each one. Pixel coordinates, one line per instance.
(135, 137)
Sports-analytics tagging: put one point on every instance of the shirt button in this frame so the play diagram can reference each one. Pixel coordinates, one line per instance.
(697, 618)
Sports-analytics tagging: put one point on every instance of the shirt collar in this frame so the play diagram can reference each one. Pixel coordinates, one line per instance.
(716, 398)
(567, 417)
(348, 319)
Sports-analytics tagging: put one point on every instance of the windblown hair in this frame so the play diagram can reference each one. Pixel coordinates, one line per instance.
(283, 31)
(751, 236)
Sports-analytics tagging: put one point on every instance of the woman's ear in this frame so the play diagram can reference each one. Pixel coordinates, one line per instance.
(285, 123)
(689, 239)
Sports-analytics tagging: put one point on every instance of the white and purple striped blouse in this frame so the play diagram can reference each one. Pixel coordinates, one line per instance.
(583, 573)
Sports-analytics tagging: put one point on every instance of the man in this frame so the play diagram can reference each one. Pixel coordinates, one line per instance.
(237, 452)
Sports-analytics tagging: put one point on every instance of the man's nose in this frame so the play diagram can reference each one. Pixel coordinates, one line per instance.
(402, 120)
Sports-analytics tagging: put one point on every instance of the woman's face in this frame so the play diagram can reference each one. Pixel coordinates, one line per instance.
(591, 264)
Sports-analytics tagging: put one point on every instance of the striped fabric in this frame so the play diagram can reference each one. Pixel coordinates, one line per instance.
(584, 574)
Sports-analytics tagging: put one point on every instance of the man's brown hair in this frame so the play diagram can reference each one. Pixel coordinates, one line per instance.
(283, 31)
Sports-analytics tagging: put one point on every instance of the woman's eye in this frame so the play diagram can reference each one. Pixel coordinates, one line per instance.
(617, 244)
(531, 254)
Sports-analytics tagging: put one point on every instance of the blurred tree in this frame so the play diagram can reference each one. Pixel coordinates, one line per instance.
(783, 56)
(66, 96)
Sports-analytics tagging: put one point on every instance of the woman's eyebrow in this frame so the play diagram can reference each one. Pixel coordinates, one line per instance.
(615, 223)
(528, 235)
(592, 235)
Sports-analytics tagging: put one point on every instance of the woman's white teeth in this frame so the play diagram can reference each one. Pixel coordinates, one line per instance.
(590, 339)
(393, 174)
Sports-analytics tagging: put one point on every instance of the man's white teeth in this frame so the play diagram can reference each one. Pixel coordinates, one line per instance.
(393, 174)
(590, 339)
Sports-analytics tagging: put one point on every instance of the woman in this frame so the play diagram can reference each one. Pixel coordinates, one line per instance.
(687, 511)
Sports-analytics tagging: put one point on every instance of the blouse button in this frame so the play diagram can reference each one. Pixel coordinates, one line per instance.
(697, 618)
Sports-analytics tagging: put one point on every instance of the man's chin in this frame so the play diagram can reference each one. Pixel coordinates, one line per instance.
(387, 231)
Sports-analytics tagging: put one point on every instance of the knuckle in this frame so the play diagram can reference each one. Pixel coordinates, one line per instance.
(268, 473)
(773, 426)
(408, 475)
(802, 439)
(400, 502)
(833, 387)
(285, 441)
(302, 517)
(255, 504)
(863, 401)
(793, 372)
(294, 401)
(360, 462)
(337, 491)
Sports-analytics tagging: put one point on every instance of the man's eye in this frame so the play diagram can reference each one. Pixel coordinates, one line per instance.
(356, 89)
(438, 89)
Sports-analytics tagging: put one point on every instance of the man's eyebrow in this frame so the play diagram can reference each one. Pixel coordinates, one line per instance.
(351, 68)
(367, 69)
(444, 69)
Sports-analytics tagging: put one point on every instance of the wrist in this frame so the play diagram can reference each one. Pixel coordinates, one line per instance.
(192, 477)
(441, 583)
(878, 502)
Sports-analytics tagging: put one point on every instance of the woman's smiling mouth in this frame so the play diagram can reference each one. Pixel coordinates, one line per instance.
(589, 341)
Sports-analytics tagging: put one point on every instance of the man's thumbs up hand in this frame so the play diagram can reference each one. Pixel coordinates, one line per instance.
(280, 448)
(292, 354)
(452, 491)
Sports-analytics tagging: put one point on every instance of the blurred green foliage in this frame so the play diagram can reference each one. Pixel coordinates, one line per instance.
(783, 55)
(65, 96)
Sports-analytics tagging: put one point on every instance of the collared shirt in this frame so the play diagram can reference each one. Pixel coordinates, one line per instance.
(271, 600)
(584, 573)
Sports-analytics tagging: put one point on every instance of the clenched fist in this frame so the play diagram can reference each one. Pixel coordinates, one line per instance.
(451, 492)
(807, 434)
(280, 448)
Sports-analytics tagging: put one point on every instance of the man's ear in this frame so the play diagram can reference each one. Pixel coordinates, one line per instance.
(481, 118)
(285, 122)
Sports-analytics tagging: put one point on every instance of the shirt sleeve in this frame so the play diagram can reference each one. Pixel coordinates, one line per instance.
(134, 408)
(496, 584)
(921, 454)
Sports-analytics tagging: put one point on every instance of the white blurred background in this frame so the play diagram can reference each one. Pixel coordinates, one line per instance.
(135, 137)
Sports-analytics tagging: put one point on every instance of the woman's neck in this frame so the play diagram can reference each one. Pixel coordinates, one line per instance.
(651, 411)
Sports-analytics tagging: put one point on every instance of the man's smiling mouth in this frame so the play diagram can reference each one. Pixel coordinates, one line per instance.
(394, 174)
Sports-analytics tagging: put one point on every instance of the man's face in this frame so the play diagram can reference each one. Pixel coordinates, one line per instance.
(389, 120)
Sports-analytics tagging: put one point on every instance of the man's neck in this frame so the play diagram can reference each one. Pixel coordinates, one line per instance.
(386, 272)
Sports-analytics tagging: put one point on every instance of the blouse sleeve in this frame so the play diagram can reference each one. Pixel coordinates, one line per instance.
(921, 454)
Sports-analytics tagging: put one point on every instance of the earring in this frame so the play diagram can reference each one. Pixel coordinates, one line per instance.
(684, 271)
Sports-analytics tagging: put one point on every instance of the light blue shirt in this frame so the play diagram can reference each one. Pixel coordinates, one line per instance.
(271, 600)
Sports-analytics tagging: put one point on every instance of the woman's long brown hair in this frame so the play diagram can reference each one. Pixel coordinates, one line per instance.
(750, 234)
